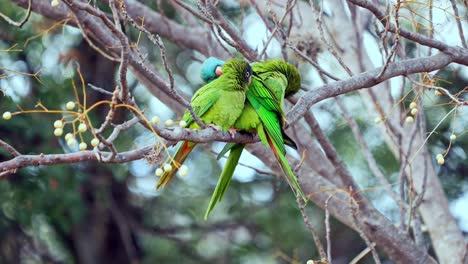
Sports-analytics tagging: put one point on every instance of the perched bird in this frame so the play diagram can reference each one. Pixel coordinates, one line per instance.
(218, 104)
(263, 114)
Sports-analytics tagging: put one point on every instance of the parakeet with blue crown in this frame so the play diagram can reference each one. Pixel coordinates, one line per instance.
(218, 104)
(263, 113)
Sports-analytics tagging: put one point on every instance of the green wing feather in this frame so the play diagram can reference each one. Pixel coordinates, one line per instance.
(202, 101)
(264, 103)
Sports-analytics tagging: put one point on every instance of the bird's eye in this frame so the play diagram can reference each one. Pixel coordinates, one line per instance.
(247, 74)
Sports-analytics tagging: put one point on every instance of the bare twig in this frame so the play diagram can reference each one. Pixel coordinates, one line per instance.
(421, 39)
(316, 65)
(327, 229)
(315, 236)
(99, 89)
(220, 22)
(431, 25)
(124, 53)
(354, 207)
(459, 25)
(367, 153)
(9, 148)
(22, 21)
(331, 153)
(158, 42)
(396, 39)
(366, 80)
(457, 101)
(331, 48)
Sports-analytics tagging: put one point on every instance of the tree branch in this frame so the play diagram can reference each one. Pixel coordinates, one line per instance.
(366, 80)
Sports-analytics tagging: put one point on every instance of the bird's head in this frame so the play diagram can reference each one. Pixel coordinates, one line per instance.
(238, 71)
(211, 69)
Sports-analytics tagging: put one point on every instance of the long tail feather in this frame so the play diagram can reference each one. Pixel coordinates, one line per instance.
(179, 157)
(226, 148)
(226, 176)
(281, 159)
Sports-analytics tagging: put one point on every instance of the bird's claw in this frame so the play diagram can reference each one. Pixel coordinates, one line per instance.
(232, 131)
(215, 127)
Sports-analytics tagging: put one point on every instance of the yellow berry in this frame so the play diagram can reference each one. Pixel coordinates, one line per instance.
(167, 167)
(409, 120)
(183, 170)
(377, 120)
(58, 124)
(169, 122)
(82, 146)
(82, 127)
(413, 105)
(439, 156)
(68, 136)
(55, 3)
(58, 132)
(414, 111)
(453, 137)
(182, 123)
(440, 161)
(70, 105)
(71, 142)
(94, 142)
(159, 172)
(7, 115)
(437, 93)
(155, 120)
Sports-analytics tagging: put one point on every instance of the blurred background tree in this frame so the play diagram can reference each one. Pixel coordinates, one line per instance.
(92, 212)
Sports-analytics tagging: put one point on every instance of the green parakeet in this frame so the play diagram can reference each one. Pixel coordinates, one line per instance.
(263, 113)
(218, 103)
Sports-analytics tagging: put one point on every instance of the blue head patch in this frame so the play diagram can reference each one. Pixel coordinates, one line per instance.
(208, 70)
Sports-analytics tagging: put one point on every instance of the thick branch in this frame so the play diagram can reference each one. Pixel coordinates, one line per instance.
(172, 134)
(153, 21)
(366, 80)
(459, 54)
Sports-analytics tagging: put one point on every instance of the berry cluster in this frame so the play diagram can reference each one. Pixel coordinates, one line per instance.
(59, 126)
(167, 167)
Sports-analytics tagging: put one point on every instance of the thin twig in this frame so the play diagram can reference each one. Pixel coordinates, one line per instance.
(9, 148)
(315, 236)
(99, 89)
(396, 39)
(330, 47)
(459, 25)
(367, 153)
(124, 54)
(431, 26)
(22, 21)
(155, 39)
(316, 65)
(456, 100)
(327, 230)
(354, 207)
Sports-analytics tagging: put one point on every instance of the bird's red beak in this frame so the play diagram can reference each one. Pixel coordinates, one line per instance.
(219, 70)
